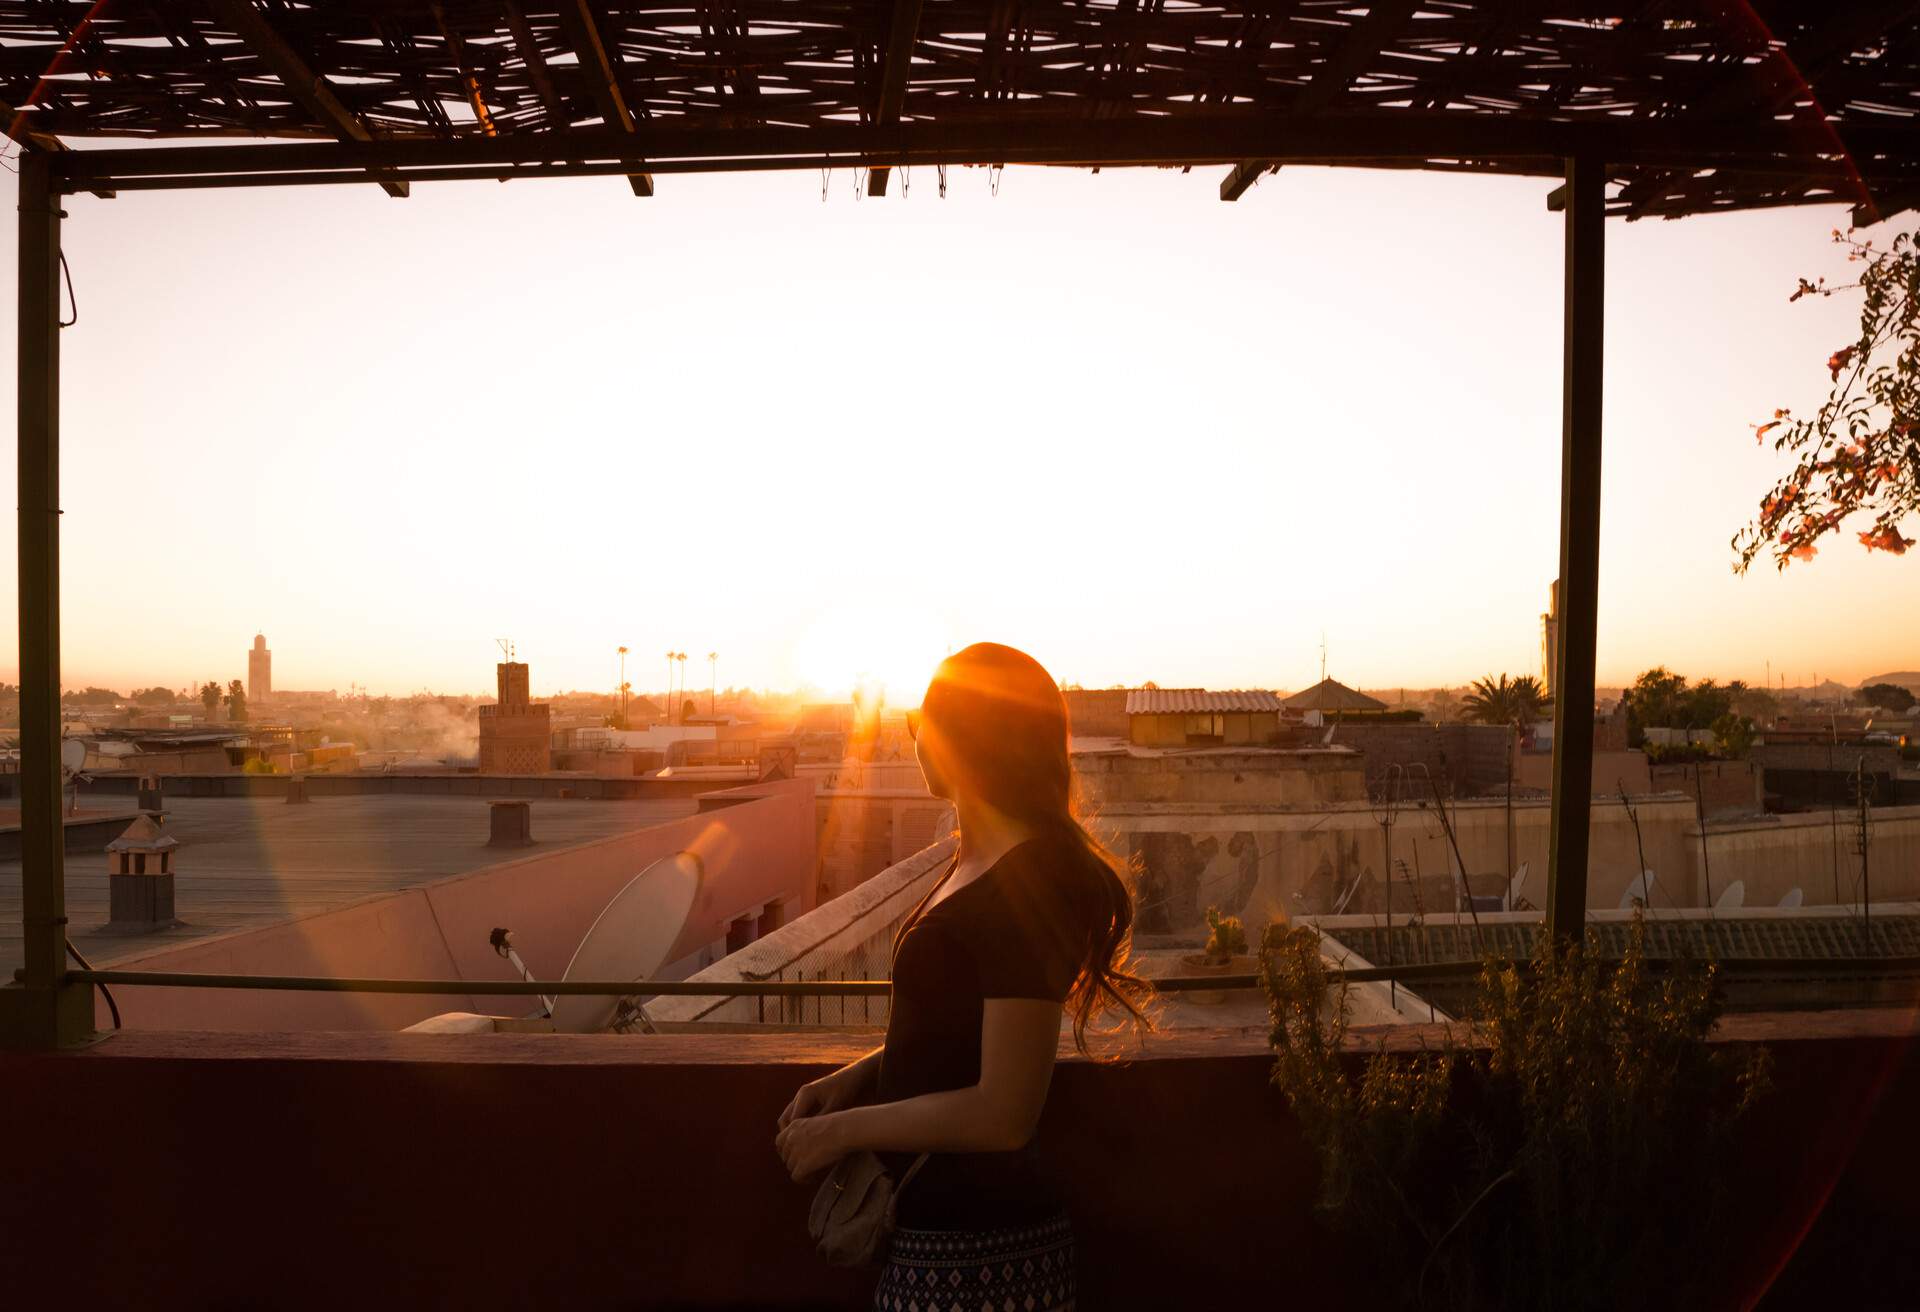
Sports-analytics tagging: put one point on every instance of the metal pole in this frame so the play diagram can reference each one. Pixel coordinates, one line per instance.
(1579, 546)
(48, 1014)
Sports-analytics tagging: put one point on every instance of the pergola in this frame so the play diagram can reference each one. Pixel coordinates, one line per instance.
(1642, 107)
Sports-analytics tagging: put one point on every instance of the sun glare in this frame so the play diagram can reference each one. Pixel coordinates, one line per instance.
(897, 649)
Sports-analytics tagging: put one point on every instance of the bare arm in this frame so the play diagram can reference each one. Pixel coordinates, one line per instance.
(846, 1087)
(1018, 1040)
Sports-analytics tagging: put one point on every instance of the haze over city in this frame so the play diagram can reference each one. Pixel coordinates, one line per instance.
(754, 423)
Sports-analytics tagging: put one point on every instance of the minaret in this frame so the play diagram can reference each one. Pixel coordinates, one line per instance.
(259, 671)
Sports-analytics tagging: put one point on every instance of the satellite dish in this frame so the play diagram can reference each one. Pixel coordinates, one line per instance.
(1513, 887)
(1641, 888)
(1793, 899)
(630, 940)
(1733, 898)
(73, 754)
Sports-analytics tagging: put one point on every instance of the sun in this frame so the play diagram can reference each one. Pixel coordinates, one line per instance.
(849, 647)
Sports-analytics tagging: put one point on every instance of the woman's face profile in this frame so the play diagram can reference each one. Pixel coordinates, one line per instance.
(926, 751)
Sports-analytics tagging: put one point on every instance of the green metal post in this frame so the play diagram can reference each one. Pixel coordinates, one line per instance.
(1573, 695)
(46, 1011)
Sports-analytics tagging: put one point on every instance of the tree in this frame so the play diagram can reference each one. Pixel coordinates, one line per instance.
(1733, 736)
(1860, 453)
(153, 696)
(1521, 701)
(236, 702)
(210, 697)
(90, 696)
(1888, 697)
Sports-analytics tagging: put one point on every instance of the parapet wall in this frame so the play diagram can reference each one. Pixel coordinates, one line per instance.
(850, 937)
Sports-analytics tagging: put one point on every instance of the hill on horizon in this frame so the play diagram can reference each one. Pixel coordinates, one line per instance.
(1908, 679)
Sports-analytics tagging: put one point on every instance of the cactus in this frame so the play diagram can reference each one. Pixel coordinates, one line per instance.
(1225, 938)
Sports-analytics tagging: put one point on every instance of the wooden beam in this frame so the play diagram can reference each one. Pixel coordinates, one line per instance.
(307, 88)
(1571, 818)
(583, 29)
(1244, 175)
(1364, 42)
(896, 69)
(1518, 147)
(529, 48)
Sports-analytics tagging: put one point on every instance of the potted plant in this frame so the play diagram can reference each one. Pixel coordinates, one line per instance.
(1225, 953)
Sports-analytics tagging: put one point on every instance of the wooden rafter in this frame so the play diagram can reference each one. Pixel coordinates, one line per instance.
(896, 69)
(596, 64)
(307, 87)
(1362, 46)
(535, 62)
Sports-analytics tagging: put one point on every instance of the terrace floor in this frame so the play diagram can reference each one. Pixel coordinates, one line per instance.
(247, 862)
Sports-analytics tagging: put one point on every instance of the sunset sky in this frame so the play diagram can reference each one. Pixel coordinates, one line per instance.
(1107, 418)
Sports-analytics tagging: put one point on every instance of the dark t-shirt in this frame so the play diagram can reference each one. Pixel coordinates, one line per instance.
(1020, 930)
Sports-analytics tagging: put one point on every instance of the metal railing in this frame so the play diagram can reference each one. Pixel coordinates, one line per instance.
(1408, 973)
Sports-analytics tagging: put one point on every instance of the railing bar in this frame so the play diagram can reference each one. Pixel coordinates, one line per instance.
(854, 988)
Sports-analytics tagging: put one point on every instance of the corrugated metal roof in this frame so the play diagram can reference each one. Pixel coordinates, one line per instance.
(1197, 701)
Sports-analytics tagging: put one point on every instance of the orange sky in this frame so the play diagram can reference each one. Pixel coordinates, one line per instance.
(1144, 434)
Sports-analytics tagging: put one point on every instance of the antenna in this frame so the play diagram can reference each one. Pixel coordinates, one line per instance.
(506, 648)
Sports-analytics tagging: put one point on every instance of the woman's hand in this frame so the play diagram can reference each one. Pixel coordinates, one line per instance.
(810, 1144)
(829, 1093)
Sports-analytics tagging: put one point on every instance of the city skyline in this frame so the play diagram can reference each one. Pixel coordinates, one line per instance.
(1353, 430)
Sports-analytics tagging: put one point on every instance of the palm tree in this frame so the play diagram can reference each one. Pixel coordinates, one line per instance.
(682, 658)
(1516, 702)
(713, 680)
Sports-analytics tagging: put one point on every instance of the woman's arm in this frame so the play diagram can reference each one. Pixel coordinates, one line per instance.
(1018, 1040)
(846, 1087)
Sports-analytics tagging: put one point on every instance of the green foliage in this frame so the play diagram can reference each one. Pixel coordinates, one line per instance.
(1225, 937)
(1859, 452)
(1661, 699)
(236, 701)
(1733, 736)
(1521, 701)
(258, 765)
(1565, 1153)
(155, 696)
(1888, 697)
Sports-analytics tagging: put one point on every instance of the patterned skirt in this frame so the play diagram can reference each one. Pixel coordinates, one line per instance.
(1022, 1269)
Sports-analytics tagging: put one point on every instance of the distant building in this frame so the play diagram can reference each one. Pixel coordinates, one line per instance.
(1550, 638)
(259, 671)
(516, 736)
(1193, 717)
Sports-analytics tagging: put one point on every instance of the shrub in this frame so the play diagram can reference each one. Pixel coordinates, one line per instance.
(1582, 1166)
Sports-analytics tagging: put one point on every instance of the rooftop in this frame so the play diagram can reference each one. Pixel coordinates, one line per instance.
(247, 862)
(1178, 701)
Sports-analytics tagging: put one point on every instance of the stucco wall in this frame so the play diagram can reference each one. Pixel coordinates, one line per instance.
(1297, 779)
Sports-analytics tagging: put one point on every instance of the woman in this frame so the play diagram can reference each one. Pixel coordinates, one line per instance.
(1029, 919)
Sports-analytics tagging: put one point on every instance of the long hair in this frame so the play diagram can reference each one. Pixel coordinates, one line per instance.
(1003, 725)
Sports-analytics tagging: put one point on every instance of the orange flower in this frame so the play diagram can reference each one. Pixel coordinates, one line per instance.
(1886, 539)
(1760, 431)
(1805, 551)
(1839, 360)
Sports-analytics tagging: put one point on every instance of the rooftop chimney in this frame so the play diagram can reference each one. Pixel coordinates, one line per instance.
(509, 824)
(140, 878)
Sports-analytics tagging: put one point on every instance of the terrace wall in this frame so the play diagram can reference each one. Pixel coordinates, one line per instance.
(492, 1171)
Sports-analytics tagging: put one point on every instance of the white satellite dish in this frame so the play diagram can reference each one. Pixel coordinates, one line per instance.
(1513, 887)
(1793, 899)
(1641, 888)
(630, 940)
(1733, 898)
(73, 755)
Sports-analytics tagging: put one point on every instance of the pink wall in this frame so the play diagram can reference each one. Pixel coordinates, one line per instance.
(755, 843)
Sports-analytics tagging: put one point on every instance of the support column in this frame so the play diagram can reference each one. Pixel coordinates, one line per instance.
(1573, 695)
(44, 1013)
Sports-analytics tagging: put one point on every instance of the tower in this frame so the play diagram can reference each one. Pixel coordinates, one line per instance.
(259, 670)
(1550, 638)
(515, 734)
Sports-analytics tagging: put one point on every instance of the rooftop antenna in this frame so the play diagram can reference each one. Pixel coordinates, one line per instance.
(506, 648)
(1385, 805)
(73, 755)
(1463, 884)
(1863, 838)
(1646, 875)
(1323, 655)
